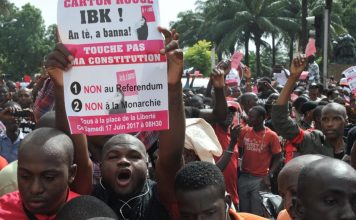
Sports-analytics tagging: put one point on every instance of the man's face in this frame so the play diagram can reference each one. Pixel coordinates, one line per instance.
(235, 92)
(332, 123)
(261, 86)
(124, 168)
(334, 95)
(313, 94)
(201, 204)
(287, 189)
(43, 180)
(330, 198)
(12, 125)
(25, 98)
(12, 86)
(254, 119)
(250, 103)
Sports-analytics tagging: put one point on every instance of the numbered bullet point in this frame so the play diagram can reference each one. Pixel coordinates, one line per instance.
(77, 105)
(75, 88)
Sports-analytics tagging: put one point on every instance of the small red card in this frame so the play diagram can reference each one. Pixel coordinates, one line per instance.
(148, 13)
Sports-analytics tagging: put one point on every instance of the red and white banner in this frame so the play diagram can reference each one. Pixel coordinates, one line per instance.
(118, 83)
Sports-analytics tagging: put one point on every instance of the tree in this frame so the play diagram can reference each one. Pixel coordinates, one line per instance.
(188, 26)
(199, 57)
(4, 8)
(348, 13)
(265, 16)
(23, 43)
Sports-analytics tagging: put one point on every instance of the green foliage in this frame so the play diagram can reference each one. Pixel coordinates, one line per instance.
(4, 8)
(24, 43)
(231, 24)
(348, 16)
(199, 57)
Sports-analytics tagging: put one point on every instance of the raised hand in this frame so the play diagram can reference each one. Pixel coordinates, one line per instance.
(174, 56)
(246, 72)
(298, 65)
(57, 61)
(218, 78)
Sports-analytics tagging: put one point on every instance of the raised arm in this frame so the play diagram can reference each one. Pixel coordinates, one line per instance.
(219, 112)
(58, 61)
(284, 125)
(171, 142)
(226, 157)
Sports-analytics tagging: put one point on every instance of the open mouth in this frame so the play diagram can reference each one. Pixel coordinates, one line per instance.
(123, 178)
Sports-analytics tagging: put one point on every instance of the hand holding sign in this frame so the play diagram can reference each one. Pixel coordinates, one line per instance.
(57, 61)
(174, 55)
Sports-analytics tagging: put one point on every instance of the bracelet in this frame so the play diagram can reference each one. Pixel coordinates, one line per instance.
(229, 151)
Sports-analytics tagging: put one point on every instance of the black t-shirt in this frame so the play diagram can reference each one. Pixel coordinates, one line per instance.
(145, 207)
(263, 96)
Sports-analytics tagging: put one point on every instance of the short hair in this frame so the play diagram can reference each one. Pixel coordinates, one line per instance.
(5, 88)
(265, 79)
(49, 138)
(320, 87)
(331, 91)
(310, 172)
(85, 207)
(199, 175)
(246, 97)
(295, 166)
(261, 111)
(337, 107)
(47, 120)
(317, 111)
(121, 139)
(12, 104)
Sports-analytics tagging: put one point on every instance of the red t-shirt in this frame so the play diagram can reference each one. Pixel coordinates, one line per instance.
(258, 150)
(11, 207)
(3, 162)
(230, 172)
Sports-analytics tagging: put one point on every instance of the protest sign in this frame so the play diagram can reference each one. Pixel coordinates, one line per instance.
(310, 48)
(233, 78)
(236, 60)
(118, 83)
(350, 75)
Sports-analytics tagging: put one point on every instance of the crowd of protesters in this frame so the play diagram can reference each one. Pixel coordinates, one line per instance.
(229, 145)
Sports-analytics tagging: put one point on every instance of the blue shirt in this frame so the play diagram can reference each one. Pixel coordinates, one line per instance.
(9, 150)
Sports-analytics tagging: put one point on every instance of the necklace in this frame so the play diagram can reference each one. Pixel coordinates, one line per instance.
(263, 137)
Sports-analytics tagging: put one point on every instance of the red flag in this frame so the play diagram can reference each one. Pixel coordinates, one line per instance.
(310, 49)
